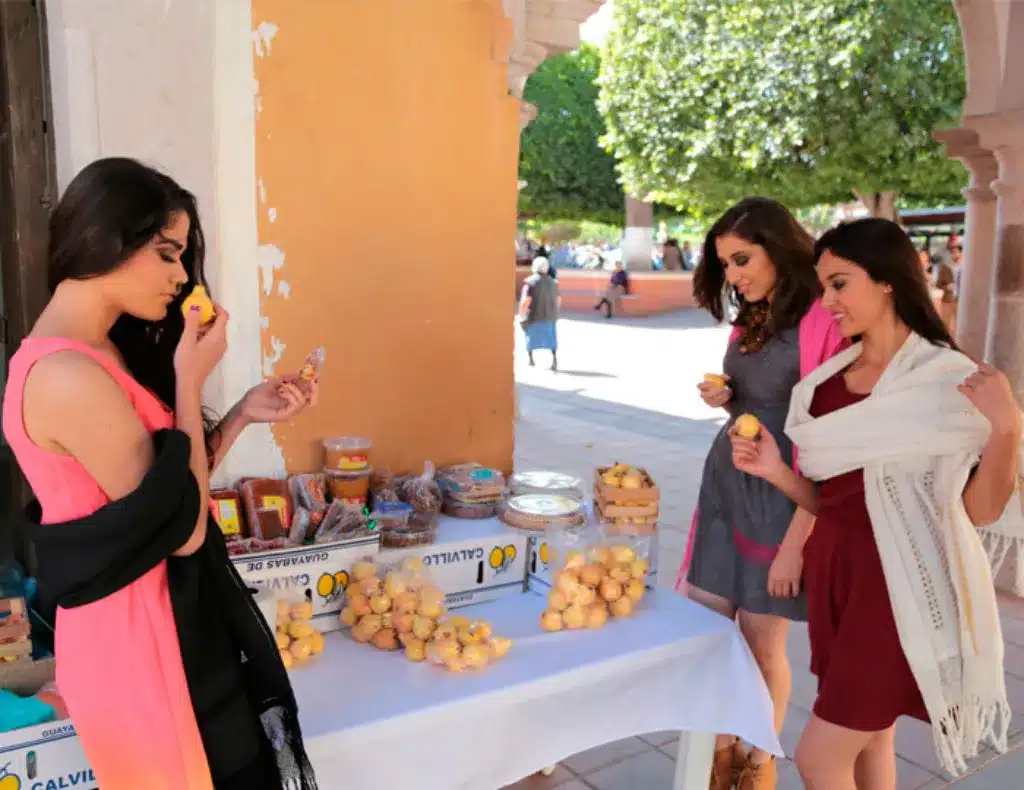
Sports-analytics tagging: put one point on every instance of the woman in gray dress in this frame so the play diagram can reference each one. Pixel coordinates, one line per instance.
(746, 560)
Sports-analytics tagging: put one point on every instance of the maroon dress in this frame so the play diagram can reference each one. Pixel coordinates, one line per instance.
(864, 680)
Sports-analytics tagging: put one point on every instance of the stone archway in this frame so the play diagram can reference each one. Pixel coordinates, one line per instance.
(990, 143)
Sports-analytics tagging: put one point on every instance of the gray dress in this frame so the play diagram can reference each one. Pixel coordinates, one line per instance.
(742, 519)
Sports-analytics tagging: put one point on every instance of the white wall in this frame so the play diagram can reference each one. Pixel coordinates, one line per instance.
(171, 82)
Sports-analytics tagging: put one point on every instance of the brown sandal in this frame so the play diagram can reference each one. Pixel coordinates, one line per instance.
(727, 767)
(760, 776)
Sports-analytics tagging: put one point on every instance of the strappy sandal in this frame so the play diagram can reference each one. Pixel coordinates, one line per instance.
(727, 767)
(760, 776)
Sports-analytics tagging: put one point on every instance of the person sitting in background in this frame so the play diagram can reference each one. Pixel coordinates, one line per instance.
(689, 257)
(618, 286)
(672, 258)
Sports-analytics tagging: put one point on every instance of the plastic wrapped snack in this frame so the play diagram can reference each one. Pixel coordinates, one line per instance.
(595, 577)
(422, 492)
(392, 607)
(227, 511)
(309, 498)
(342, 522)
(471, 483)
(383, 487)
(546, 482)
(312, 364)
(268, 507)
(460, 644)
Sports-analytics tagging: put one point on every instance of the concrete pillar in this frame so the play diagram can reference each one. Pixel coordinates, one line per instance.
(976, 283)
(1003, 133)
(638, 238)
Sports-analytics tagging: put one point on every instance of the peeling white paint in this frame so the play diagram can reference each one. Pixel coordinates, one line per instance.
(269, 260)
(271, 359)
(272, 214)
(262, 37)
(259, 104)
(264, 322)
(263, 191)
(284, 289)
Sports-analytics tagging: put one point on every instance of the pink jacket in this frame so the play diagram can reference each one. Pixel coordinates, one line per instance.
(820, 340)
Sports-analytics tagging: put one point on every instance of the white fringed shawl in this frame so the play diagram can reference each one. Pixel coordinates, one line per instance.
(917, 439)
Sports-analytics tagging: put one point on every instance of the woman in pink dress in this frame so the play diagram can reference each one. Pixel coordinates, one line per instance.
(110, 362)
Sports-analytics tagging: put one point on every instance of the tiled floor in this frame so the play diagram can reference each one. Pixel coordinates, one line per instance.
(627, 392)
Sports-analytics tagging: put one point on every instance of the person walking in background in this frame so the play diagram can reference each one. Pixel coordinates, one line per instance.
(910, 446)
(947, 280)
(538, 312)
(618, 286)
(747, 537)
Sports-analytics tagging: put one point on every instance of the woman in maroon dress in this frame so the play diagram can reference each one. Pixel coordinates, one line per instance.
(876, 291)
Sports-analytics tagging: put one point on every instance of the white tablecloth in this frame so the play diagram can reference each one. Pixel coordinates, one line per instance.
(376, 720)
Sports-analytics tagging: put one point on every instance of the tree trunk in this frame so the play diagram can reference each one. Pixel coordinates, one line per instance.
(879, 204)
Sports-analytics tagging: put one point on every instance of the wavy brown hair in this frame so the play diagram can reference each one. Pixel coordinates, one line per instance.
(769, 224)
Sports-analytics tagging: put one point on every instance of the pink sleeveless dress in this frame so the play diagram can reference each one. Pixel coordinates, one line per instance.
(119, 665)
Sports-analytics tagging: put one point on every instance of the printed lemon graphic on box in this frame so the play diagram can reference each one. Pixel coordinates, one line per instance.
(501, 559)
(9, 781)
(330, 587)
(544, 553)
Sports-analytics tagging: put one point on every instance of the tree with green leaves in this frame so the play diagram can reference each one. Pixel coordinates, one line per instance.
(809, 101)
(568, 174)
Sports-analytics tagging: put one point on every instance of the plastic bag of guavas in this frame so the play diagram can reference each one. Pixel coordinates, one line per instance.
(399, 607)
(598, 577)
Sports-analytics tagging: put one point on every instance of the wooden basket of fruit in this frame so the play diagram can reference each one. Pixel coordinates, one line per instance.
(622, 484)
(626, 525)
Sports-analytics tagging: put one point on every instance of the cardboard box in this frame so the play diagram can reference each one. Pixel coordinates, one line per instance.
(614, 494)
(472, 561)
(319, 572)
(45, 757)
(541, 563)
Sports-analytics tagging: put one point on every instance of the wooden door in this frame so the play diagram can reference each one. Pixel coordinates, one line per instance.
(27, 192)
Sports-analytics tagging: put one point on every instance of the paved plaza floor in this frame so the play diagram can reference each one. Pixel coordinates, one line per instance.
(626, 392)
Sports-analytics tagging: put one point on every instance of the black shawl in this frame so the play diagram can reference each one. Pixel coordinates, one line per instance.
(243, 701)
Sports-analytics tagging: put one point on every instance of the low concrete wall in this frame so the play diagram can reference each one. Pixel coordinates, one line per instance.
(653, 292)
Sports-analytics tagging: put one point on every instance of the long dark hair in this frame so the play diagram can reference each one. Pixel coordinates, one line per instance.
(769, 224)
(112, 209)
(885, 252)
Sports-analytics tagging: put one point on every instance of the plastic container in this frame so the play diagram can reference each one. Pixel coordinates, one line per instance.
(539, 512)
(347, 454)
(350, 487)
(546, 482)
(418, 534)
(473, 510)
(391, 516)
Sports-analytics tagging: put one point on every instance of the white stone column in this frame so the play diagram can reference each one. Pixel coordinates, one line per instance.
(977, 281)
(1003, 133)
(638, 238)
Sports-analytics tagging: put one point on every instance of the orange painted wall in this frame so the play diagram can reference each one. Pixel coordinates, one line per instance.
(387, 145)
